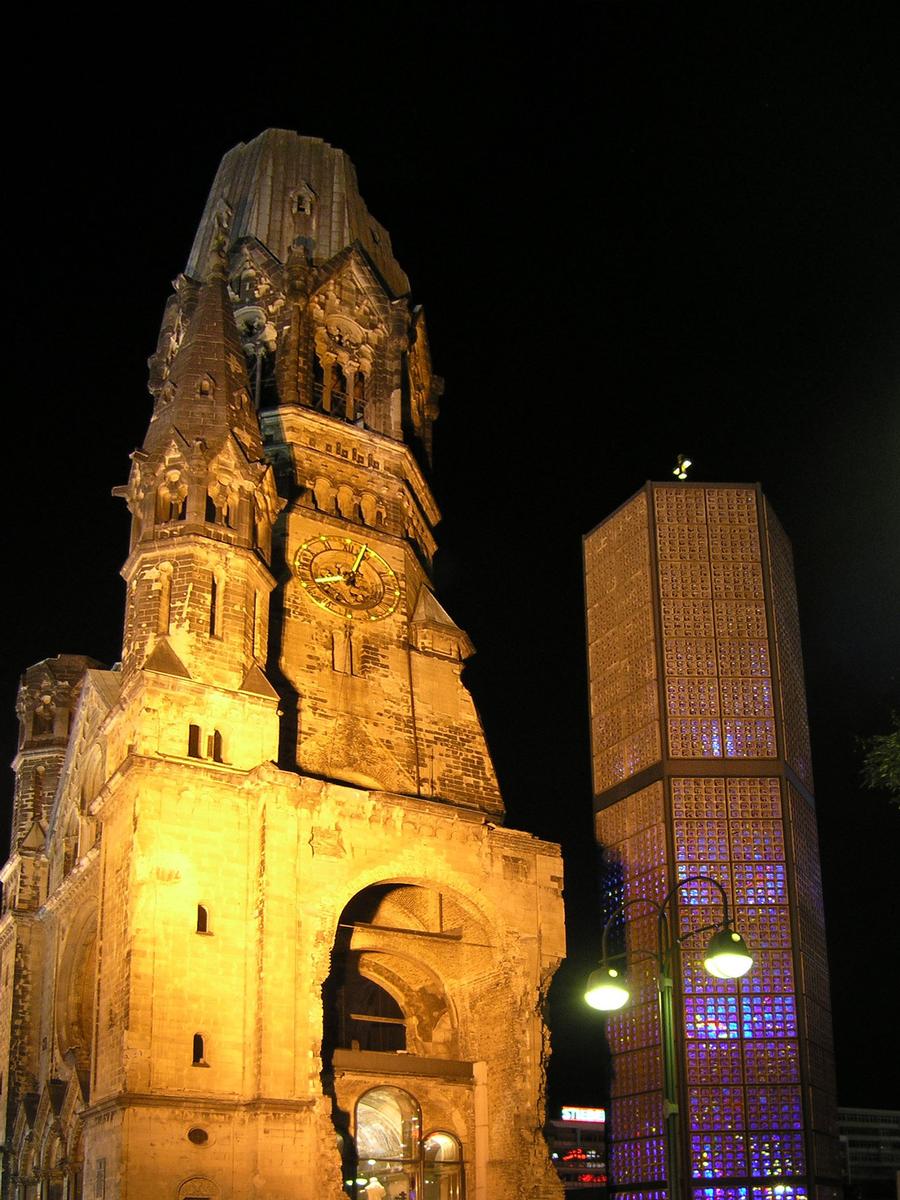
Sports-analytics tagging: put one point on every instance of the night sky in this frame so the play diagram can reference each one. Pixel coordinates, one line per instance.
(637, 231)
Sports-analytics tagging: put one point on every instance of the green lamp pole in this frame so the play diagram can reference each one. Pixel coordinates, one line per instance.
(727, 957)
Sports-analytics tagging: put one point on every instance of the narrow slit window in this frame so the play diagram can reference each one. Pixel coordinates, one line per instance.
(216, 587)
(165, 601)
(255, 626)
(202, 919)
(216, 747)
(198, 1059)
(193, 741)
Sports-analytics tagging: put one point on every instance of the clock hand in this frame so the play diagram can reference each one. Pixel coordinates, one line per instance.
(359, 559)
(328, 578)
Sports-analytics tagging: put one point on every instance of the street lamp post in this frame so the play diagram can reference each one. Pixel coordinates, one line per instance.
(727, 957)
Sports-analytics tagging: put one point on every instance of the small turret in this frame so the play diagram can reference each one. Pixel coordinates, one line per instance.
(48, 693)
(203, 501)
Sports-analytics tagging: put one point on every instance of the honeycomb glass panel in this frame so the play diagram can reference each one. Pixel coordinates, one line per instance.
(692, 697)
(716, 1107)
(783, 1191)
(690, 656)
(698, 798)
(763, 927)
(712, 1017)
(720, 1193)
(747, 657)
(638, 1159)
(759, 841)
(779, 1152)
(695, 737)
(772, 1061)
(774, 1108)
(701, 841)
(713, 1060)
(637, 1071)
(641, 1115)
(680, 506)
(746, 697)
(684, 580)
(734, 506)
(752, 798)
(687, 543)
(734, 542)
(760, 883)
(773, 971)
(718, 1155)
(737, 580)
(747, 738)
(769, 1016)
(696, 888)
(740, 618)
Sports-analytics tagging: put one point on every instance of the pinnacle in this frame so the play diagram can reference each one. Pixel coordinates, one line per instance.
(210, 386)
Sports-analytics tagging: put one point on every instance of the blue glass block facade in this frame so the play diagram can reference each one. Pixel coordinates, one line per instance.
(696, 672)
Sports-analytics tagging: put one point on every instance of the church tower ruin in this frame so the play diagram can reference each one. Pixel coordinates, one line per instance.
(264, 932)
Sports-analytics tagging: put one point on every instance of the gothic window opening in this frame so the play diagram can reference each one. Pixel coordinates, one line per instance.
(194, 741)
(198, 1059)
(302, 203)
(318, 380)
(202, 918)
(219, 510)
(214, 747)
(337, 391)
(170, 506)
(41, 723)
(366, 1016)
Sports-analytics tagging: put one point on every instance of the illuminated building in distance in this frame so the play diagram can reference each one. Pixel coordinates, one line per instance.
(264, 931)
(578, 1148)
(701, 766)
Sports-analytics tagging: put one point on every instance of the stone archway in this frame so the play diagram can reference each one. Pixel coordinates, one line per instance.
(75, 993)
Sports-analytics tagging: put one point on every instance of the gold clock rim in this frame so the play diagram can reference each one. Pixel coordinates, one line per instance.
(335, 607)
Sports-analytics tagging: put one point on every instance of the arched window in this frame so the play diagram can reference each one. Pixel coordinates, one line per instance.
(198, 1060)
(202, 919)
(392, 1158)
(193, 741)
(388, 1137)
(368, 1018)
(442, 1161)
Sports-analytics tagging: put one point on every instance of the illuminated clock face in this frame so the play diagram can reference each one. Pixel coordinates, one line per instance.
(347, 578)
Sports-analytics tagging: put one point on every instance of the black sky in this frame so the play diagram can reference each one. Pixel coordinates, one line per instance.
(637, 230)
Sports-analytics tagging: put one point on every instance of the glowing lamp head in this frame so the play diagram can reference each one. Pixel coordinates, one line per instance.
(727, 956)
(606, 989)
(681, 467)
